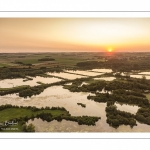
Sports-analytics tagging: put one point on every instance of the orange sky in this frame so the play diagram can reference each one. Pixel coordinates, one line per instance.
(74, 34)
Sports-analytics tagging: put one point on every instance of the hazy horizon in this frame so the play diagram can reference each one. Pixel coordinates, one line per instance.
(74, 35)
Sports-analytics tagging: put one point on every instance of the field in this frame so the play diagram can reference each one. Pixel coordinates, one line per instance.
(62, 59)
(11, 113)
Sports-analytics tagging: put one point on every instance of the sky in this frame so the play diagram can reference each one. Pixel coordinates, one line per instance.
(74, 34)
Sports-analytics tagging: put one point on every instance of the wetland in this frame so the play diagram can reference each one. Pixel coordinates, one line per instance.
(59, 95)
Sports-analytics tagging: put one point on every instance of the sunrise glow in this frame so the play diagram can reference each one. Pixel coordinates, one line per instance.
(109, 49)
(74, 34)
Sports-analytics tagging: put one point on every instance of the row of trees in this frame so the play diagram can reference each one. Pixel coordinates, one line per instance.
(93, 87)
(115, 85)
(121, 64)
(128, 99)
(125, 92)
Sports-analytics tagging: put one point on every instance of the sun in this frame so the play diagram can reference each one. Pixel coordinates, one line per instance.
(109, 50)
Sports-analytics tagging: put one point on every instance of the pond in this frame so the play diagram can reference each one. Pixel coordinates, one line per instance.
(9, 83)
(103, 91)
(106, 78)
(66, 75)
(86, 73)
(128, 108)
(144, 73)
(57, 96)
(103, 70)
(139, 76)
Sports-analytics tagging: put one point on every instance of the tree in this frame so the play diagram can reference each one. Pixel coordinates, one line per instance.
(144, 79)
(29, 128)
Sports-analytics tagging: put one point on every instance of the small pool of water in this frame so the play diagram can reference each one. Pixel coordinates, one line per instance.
(102, 70)
(86, 73)
(106, 78)
(144, 73)
(128, 108)
(139, 76)
(9, 83)
(104, 91)
(66, 75)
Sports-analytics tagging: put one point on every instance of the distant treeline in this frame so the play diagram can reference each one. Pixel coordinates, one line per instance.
(10, 73)
(46, 59)
(120, 64)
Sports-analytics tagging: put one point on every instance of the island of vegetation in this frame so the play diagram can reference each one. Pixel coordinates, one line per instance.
(83, 105)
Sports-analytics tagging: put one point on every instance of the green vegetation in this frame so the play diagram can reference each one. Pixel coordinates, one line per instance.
(29, 128)
(3, 65)
(99, 85)
(22, 114)
(8, 112)
(46, 59)
(83, 120)
(83, 105)
(120, 62)
(28, 61)
(5, 91)
(143, 115)
(116, 117)
(148, 96)
(130, 99)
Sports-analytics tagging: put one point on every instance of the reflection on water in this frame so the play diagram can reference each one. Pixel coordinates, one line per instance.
(83, 83)
(127, 108)
(87, 73)
(69, 126)
(57, 96)
(144, 73)
(66, 75)
(103, 91)
(68, 83)
(139, 76)
(9, 83)
(102, 70)
(105, 78)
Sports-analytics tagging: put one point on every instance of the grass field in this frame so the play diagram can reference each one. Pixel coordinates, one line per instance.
(61, 59)
(3, 65)
(11, 113)
(148, 97)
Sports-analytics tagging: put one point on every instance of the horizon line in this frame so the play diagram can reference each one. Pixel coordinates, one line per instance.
(82, 52)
